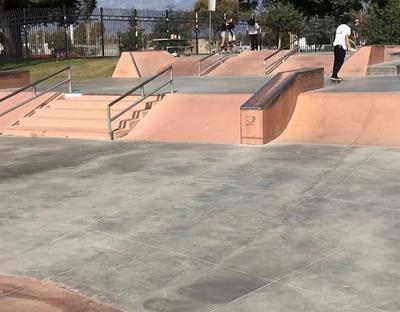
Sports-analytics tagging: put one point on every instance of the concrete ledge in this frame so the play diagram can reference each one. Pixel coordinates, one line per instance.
(267, 113)
(14, 78)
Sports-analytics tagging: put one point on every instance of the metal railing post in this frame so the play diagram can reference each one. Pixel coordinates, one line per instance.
(142, 89)
(109, 127)
(69, 80)
(102, 32)
(171, 79)
(199, 68)
(34, 91)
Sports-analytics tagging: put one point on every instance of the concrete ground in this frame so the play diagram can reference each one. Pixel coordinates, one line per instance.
(184, 227)
(366, 84)
(117, 86)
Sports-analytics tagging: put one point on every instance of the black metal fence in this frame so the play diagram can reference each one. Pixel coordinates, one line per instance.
(38, 34)
(42, 33)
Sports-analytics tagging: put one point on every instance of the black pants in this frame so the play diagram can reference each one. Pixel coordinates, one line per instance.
(340, 55)
(254, 42)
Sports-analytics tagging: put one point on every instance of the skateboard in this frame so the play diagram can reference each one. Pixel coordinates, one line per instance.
(335, 81)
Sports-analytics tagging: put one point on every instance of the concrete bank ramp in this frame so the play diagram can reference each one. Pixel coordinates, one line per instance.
(201, 118)
(248, 63)
(149, 63)
(300, 61)
(357, 64)
(345, 118)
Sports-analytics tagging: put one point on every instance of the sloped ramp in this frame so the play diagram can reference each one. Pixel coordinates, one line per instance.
(345, 118)
(149, 63)
(248, 63)
(201, 118)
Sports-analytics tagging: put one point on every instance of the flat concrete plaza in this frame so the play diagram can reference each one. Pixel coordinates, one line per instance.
(186, 227)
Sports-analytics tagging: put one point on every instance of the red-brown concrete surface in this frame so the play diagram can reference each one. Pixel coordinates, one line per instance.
(14, 78)
(149, 63)
(357, 64)
(12, 117)
(345, 118)
(81, 117)
(391, 49)
(248, 63)
(309, 60)
(18, 294)
(202, 118)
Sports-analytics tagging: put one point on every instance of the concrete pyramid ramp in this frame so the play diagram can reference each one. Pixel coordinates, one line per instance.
(248, 63)
(202, 118)
(345, 118)
(142, 64)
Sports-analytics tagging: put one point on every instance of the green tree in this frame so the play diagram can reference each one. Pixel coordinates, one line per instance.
(282, 19)
(383, 24)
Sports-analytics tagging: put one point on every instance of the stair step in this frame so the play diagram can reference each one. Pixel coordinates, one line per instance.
(56, 132)
(43, 122)
(391, 68)
(394, 55)
(74, 113)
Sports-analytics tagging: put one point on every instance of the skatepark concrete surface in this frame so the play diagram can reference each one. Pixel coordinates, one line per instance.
(197, 227)
(366, 84)
(117, 86)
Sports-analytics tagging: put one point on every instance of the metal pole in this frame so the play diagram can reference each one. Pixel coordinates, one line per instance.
(69, 80)
(142, 89)
(26, 35)
(209, 32)
(110, 134)
(102, 32)
(171, 77)
(135, 30)
(197, 33)
(199, 68)
(65, 32)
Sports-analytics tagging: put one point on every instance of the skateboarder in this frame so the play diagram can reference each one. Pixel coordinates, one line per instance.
(253, 29)
(341, 44)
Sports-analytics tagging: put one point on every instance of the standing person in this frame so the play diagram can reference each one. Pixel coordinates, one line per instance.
(223, 35)
(253, 29)
(341, 43)
(230, 25)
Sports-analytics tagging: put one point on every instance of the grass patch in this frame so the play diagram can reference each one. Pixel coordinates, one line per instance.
(82, 69)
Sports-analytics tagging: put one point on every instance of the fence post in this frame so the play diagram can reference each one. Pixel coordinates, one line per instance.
(135, 30)
(197, 32)
(65, 31)
(102, 32)
(26, 36)
(167, 21)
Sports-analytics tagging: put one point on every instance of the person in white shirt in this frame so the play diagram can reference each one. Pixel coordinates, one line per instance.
(341, 44)
(253, 29)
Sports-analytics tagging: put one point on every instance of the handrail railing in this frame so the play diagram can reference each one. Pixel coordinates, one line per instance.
(144, 96)
(33, 86)
(209, 67)
(270, 68)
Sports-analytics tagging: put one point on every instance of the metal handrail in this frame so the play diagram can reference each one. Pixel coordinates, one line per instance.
(33, 85)
(211, 65)
(274, 65)
(140, 86)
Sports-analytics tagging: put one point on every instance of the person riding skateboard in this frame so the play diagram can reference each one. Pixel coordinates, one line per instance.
(341, 44)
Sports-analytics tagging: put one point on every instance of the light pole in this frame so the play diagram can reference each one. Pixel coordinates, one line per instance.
(211, 8)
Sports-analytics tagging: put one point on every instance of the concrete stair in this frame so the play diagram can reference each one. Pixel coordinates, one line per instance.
(390, 68)
(81, 117)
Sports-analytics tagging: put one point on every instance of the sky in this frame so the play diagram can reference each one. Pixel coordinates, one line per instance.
(145, 4)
